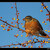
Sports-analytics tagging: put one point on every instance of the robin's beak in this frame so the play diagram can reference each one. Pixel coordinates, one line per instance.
(23, 19)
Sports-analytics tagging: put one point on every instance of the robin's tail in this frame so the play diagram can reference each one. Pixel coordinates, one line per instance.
(43, 33)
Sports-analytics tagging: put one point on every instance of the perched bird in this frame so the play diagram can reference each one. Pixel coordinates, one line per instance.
(33, 27)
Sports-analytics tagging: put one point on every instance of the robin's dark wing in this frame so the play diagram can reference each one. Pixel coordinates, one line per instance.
(38, 23)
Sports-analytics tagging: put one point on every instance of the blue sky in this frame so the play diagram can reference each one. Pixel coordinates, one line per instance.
(24, 8)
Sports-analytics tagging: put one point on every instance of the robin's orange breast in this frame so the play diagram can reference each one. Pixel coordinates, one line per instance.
(32, 25)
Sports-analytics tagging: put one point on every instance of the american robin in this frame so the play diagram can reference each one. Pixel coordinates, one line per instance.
(33, 27)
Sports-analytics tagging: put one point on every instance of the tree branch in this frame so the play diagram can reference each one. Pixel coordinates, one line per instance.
(16, 14)
(45, 6)
(12, 25)
(47, 10)
(23, 44)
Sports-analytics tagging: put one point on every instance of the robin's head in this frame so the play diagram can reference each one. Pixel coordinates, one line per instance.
(27, 18)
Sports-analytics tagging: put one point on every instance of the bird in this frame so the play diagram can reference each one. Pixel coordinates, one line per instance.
(33, 26)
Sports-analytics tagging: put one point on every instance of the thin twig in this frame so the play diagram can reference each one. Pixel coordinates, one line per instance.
(45, 6)
(12, 25)
(16, 14)
(24, 43)
(47, 10)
